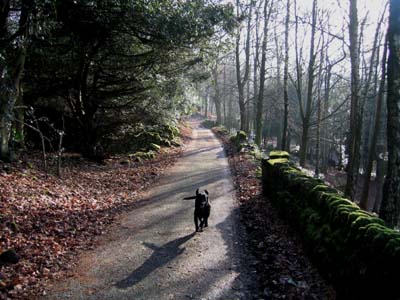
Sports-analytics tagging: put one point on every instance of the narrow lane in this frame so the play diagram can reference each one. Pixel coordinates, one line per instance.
(153, 252)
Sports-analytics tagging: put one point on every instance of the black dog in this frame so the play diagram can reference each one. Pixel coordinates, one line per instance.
(202, 209)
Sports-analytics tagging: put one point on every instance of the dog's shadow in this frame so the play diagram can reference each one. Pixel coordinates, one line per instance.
(160, 257)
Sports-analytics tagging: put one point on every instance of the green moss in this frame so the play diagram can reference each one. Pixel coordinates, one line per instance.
(392, 248)
(140, 155)
(278, 154)
(273, 162)
(291, 171)
(323, 188)
(171, 131)
(378, 236)
(258, 172)
(155, 147)
(241, 136)
(342, 238)
(355, 215)
(176, 143)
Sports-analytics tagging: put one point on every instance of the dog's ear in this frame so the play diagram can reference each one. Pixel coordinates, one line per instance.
(206, 192)
(197, 191)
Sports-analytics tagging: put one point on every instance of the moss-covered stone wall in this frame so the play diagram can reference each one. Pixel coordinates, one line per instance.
(351, 247)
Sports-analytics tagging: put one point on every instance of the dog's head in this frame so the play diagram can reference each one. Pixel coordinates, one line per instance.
(201, 198)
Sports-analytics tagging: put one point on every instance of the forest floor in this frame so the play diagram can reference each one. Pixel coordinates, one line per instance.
(283, 268)
(130, 213)
(48, 220)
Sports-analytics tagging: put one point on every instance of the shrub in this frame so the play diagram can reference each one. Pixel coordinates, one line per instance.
(239, 139)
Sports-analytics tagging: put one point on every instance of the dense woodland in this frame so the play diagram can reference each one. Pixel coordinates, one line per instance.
(319, 79)
(312, 78)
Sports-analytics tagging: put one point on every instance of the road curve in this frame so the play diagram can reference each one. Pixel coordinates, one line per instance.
(152, 252)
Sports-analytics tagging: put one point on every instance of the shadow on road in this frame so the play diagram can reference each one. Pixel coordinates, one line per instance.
(201, 150)
(160, 257)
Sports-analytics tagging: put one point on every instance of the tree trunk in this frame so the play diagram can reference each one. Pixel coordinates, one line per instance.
(241, 82)
(217, 98)
(255, 71)
(9, 93)
(380, 177)
(285, 144)
(306, 116)
(319, 112)
(391, 195)
(260, 98)
(20, 120)
(374, 138)
(224, 96)
(354, 136)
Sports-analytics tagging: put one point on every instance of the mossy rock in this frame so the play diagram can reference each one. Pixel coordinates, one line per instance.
(141, 155)
(145, 138)
(155, 147)
(241, 136)
(378, 236)
(222, 130)
(324, 199)
(258, 172)
(279, 154)
(392, 248)
(323, 188)
(170, 131)
(238, 139)
(273, 162)
(166, 143)
(292, 172)
(361, 213)
(362, 221)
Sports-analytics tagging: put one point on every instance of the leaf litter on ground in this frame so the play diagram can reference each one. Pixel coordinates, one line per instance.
(47, 220)
(283, 268)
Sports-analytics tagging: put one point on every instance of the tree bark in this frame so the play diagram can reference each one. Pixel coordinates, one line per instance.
(391, 196)
(374, 138)
(10, 92)
(306, 116)
(285, 144)
(217, 97)
(241, 82)
(319, 113)
(12, 70)
(354, 135)
(260, 99)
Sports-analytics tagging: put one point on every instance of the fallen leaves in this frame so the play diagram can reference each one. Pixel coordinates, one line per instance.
(47, 219)
(283, 268)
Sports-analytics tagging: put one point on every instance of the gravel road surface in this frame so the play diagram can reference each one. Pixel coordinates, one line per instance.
(153, 253)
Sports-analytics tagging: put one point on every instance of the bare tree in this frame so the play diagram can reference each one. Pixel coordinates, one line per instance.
(305, 112)
(391, 196)
(355, 130)
(285, 144)
(12, 64)
(376, 129)
(260, 97)
(241, 81)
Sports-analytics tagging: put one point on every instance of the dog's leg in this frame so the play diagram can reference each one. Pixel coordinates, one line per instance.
(201, 223)
(196, 222)
(208, 210)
